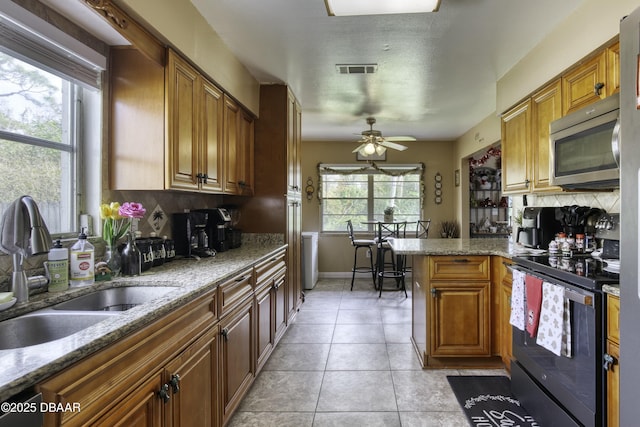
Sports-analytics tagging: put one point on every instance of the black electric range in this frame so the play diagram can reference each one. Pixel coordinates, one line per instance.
(582, 269)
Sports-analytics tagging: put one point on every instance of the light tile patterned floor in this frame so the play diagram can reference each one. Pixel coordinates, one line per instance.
(347, 360)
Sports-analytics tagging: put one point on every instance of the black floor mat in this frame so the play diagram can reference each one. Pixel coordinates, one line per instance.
(487, 401)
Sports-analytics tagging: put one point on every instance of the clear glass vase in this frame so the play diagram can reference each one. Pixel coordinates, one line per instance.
(113, 259)
(131, 258)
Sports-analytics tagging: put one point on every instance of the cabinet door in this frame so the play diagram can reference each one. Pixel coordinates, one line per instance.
(264, 324)
(192, 378)
(613, 69)
(294, 118)
(236, 354)
(245, 154)
(546, 107)
(232, 168)
(280, 306)
(294, 279)
(516, 136)
(613, 386)
(142, 408)
(460, 323)
(580, 85)
(212, 137)
(182, 93)
(506, 332)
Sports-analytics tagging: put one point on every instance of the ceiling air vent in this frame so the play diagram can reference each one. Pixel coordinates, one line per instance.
(356, 68)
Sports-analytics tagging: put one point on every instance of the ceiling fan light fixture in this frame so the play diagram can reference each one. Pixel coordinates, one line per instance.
(369, 148)
(380, 150)
(379, 7)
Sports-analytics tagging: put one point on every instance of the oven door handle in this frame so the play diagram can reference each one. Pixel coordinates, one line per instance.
(578, 297)
(569, 294)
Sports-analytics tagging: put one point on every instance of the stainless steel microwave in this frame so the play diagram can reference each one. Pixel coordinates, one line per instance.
(584, 150)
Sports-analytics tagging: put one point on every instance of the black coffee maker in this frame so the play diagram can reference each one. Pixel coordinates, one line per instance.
(218, 221)
(539, 227)
(190, 234)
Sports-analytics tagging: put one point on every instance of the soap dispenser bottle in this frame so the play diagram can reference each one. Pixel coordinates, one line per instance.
(58, 266)
(81, 264)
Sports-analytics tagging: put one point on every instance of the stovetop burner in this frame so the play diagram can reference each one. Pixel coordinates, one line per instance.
(582, 270)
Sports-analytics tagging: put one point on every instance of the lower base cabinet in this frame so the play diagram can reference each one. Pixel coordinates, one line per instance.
(153, 377)
(237, 356)
(191, 367)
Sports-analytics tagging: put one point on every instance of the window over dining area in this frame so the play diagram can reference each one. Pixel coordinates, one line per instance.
(362, 193)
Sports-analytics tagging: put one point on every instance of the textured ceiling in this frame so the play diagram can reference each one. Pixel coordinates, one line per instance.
(436, 75)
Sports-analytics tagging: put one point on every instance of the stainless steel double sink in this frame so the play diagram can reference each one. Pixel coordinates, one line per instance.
(67, 318)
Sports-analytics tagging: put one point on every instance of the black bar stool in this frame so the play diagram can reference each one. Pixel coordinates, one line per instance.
(422, 228)
(395, 269)
(361, 244)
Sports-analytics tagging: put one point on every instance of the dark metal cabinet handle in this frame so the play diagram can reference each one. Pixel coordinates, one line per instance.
(164, 393)
(175, 383)
(225, 333)
(597, 88)
(434, 293)
(463, 260)
(609, 361)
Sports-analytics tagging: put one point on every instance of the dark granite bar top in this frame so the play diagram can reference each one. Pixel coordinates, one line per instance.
(25, 367)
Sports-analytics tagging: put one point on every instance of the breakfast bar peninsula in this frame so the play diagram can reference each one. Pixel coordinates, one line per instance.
(460, 305)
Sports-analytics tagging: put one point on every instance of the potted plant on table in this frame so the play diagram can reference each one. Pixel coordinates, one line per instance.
(388, 213)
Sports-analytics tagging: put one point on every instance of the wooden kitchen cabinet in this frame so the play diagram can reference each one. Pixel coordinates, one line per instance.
(460, 306)
(501, 279)
(525, 142)
(123, 384)
(277, 201)
(613, 350)
(238, 140)
(194, 129)
(516, 138)
(237, 366)
(546, 106)
(270, 306)
(172, 128)
(585, 84)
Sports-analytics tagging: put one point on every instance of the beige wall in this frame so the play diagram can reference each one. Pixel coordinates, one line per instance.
(335, 251)
(180, 24)
(589, 27)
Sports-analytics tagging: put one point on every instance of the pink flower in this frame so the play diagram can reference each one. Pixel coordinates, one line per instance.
(132, 210)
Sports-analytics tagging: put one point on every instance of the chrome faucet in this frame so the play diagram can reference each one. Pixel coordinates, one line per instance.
(23, 233)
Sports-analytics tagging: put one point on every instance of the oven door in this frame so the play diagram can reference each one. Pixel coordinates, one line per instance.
(574, 383)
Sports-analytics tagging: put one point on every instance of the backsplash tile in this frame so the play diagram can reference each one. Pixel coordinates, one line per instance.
(609, 201)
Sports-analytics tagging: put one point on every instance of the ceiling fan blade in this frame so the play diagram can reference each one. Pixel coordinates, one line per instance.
(393, 145)
(361, 146)
(399, 138)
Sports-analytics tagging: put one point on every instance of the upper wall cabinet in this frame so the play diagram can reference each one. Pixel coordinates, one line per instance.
(194, 148)
(525, 127)
(170, 129)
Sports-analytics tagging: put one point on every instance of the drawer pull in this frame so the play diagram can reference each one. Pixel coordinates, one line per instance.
(175, 383)
(225, 333)
(463, 260)
(242, 279)
(164, 393)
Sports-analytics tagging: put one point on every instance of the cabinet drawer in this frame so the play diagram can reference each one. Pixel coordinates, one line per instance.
(459, 268)
(270, 268)
(613, 318)
(235, 290)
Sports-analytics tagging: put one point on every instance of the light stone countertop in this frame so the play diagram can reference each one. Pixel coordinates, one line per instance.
(25, 367)
(611, 289)
(500, 247)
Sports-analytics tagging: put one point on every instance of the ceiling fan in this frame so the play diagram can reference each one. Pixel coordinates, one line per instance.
(372, 141)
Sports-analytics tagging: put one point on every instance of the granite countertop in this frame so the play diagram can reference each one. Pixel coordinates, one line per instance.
(500, 247)
(25, 367)
(611, 290)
